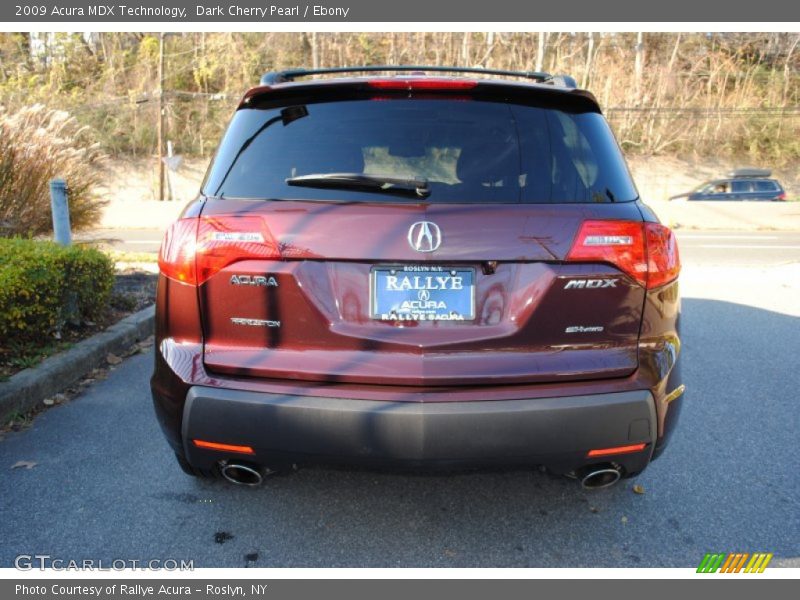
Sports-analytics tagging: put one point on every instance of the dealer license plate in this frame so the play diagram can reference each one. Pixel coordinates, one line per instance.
(422, 293)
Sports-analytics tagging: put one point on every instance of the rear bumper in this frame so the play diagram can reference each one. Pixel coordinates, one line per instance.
(556, 432)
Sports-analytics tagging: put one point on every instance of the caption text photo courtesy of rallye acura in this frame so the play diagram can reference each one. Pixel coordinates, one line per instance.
(417, 267)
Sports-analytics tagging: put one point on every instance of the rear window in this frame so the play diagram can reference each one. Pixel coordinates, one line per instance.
(765, 186)
(467, 151)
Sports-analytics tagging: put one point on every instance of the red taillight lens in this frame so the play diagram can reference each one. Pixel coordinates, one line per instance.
(620, 243)
(176, 257)
(193, 250)
(663, 262)
(781, 196)
(647, 252)
(224, 240)
(399, 83)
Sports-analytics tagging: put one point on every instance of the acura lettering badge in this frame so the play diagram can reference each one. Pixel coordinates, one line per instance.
(424, 236)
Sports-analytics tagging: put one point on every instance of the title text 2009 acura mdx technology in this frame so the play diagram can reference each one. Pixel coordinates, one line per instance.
(419, 270)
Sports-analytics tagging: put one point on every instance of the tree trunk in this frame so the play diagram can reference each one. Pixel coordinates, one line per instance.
(588, 66)
(540, 51)
(638, 67)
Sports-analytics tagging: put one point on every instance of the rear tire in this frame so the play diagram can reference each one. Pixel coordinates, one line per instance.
(194, 471)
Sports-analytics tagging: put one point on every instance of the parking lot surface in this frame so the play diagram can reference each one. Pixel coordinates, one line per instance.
(105, 485)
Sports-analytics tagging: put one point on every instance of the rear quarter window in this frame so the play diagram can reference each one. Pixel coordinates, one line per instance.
(468, 151)
(765, 186)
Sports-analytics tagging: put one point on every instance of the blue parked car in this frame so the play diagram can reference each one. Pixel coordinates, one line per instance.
(741, 184)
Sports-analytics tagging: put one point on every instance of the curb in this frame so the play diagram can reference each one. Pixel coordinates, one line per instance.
(29, 387)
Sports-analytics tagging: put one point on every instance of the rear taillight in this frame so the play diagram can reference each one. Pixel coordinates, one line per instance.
(224, 240)
(663, 261)
(194, 250)
(398, 83)
(620, 243)
(176, 257)
(781, 196)
(647, 252)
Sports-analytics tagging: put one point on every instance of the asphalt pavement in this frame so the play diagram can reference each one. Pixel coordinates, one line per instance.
(105, 485)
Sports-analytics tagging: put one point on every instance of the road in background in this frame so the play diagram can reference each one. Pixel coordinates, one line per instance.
(738, 248)
(698, 247)
(106, 486)
(126, 240)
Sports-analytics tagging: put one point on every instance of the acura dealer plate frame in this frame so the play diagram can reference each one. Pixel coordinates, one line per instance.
(422, 293)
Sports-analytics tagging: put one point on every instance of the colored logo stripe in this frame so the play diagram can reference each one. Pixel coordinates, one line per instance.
(758, 563)
(734, 562)
(710, 563)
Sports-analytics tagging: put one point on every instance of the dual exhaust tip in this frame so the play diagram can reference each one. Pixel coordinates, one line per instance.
(592, 478)
(242, 474)
(596, 477)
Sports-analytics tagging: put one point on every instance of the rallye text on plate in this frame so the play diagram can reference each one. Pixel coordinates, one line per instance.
(422, 293)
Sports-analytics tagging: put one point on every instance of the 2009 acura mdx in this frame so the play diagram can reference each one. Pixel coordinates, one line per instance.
(421, 270)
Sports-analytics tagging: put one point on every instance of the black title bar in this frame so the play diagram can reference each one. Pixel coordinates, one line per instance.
(393, 11)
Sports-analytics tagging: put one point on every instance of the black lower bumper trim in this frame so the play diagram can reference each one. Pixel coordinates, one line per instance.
(539, 431)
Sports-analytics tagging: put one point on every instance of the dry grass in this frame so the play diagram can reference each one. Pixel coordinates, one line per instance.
(39, 144)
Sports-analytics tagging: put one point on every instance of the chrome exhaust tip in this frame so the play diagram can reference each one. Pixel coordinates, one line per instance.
(601, 476)
(241, 474)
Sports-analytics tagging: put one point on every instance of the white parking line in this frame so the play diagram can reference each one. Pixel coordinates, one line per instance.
(726, 237)
(750, 247)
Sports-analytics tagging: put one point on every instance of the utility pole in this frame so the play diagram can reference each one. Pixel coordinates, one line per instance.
(161, 116)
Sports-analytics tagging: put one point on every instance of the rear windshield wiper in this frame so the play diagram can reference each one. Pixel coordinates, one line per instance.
(366, 183)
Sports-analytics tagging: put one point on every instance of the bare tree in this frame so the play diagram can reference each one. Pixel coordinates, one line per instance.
(540, 51)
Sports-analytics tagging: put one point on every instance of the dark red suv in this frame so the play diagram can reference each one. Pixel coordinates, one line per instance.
(420, 270)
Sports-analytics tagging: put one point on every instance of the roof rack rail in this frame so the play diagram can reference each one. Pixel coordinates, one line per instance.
(288, 75)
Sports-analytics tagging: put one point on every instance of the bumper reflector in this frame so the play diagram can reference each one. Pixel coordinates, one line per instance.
(616, 450)
(223, 447)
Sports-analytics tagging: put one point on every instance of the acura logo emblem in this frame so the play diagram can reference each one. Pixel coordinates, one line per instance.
(424, 236)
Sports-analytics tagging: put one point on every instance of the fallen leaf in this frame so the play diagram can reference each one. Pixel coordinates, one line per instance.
(113, 359)
(48, 402)
(24, 464)
(638, 489)
(146, 342)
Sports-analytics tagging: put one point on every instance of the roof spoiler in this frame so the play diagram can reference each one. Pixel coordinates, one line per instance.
(275, 77)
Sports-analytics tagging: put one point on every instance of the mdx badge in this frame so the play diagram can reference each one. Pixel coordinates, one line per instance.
(580, 284)
(257, 280)
(424, 236)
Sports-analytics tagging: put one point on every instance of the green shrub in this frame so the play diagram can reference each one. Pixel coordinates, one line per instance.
(44, 286)
(38, 145)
